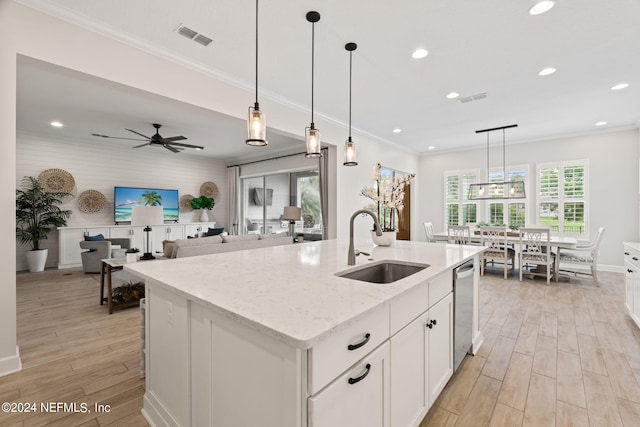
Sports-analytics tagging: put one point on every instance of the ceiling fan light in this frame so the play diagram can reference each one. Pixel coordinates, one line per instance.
(256, 127)
(350, 153)
(312, 140)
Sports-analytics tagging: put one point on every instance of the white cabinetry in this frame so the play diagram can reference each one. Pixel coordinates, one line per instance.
(360, 397)
(69, 244)
(421, 361)
(69, 238)
(632, 280)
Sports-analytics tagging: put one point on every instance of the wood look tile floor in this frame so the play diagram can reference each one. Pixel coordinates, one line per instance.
(567, 354)
(564, 355)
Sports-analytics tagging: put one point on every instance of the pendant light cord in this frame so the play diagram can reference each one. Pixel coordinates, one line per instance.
(504, 163)
(350, 77)
(313, 44)
(487, 156)
(256, 53)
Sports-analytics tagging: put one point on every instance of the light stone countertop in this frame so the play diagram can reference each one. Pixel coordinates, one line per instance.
(291, 292)
(632, 245)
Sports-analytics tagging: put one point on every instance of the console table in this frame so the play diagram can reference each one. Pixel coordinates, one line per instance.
(109, 265)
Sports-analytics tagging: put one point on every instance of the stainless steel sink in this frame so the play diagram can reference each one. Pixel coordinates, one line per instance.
(383, 272)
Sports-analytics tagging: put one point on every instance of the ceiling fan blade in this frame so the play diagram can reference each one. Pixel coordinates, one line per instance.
(174, 138)
(116, 137)
(178, 144)
(138, 133)
(141, 145)
(170, 148)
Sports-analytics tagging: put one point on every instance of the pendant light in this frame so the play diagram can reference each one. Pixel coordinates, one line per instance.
(311, 134)
(256, 125)
(349, 145)
(497, 190)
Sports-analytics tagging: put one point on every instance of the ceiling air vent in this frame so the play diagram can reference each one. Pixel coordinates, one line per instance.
(476, 97)
(193, 35)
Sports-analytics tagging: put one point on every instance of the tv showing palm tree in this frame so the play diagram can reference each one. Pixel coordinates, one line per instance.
(125, 198)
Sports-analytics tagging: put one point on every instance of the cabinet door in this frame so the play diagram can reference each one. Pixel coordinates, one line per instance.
(69, 247)
(120, 232)
(409, 400)
(629, 287)
(174, 232)
(360, 397)
(440, 346)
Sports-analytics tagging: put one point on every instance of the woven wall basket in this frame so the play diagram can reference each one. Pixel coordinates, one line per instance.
(91, 201)
(209, 189)
(57, 181)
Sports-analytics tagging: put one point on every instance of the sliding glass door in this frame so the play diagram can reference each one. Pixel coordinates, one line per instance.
(264, 198)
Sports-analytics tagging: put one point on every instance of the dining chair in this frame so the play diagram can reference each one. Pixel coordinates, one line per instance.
(535, 250)
(459, 234)
(428, 229)
(576, 260)
(499, 251)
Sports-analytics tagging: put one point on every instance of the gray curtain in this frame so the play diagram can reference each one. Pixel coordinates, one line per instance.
(323, 163)
(233, 185)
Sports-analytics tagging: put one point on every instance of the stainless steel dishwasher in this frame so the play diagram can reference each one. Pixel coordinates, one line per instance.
(462, 312)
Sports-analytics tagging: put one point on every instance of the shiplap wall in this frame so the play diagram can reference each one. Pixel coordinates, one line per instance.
(102, 165)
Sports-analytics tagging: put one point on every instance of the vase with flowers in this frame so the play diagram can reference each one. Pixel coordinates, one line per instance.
(388, 197)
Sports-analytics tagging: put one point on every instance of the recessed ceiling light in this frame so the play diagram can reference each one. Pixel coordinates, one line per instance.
(397, 130)
(601, 123)
(547, 71)
(453, 95)
(56, 124)
(620, 86)
(419, 53)
(431, 148)
(541, 7)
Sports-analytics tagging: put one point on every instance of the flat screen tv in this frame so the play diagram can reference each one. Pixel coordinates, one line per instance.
(125, 198)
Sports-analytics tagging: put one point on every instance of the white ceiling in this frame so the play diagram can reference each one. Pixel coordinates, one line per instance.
(491, 46)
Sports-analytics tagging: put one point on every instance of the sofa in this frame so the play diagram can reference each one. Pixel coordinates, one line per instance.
(97, 250)
(222, 243)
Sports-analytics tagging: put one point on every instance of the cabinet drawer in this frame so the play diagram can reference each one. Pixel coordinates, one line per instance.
(360, 397)
(632, 257)
(346, 346)
(440, 287)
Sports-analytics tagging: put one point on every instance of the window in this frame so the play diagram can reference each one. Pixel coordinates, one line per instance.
(458, 209)
(510, 212)
(562, 189)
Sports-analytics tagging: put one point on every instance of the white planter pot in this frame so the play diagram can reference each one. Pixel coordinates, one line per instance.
(387, 238)
(204, 217)
(132, 257)
(37, 259)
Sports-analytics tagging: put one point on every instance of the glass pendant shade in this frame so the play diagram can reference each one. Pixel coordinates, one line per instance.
(350, 153)
(312, 139)
(257, 127)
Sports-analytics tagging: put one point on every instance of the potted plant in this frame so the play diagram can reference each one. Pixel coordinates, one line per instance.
(389, 199)
(132, 254)
(37, 211)
(205, 204)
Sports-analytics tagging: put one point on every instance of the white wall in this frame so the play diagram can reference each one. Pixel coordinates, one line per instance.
(98, 166)
(613, 181)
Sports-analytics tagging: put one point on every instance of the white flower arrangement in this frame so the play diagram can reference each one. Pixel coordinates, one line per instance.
(388, 197)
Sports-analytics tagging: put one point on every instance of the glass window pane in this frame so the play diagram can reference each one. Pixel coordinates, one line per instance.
(496, 213)
(574, 182)
(496, 176)
(574, 217)
(548, 183)
(469, 213)
(517, 215)
(452, 214)
(467, 179)
(549, 215)
(452, 189)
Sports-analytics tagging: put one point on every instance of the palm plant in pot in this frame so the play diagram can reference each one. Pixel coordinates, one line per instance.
(37, 211)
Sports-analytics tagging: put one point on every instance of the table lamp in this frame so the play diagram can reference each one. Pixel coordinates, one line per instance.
(147, 216)
(291, 213)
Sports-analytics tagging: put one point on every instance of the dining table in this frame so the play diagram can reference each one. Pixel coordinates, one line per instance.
(513, 237)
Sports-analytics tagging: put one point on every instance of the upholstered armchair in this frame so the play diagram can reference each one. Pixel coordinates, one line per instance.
(95, 251)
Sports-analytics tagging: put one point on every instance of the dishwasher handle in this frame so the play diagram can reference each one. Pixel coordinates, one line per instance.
(464, 271)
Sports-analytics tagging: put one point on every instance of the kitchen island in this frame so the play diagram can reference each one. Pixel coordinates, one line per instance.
(273, 337)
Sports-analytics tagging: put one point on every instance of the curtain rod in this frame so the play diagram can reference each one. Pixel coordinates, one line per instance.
(272, 158)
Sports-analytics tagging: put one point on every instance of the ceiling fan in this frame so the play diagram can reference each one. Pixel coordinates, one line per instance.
(157, 139)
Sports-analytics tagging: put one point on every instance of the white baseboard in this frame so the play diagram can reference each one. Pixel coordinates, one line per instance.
(10, 364)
